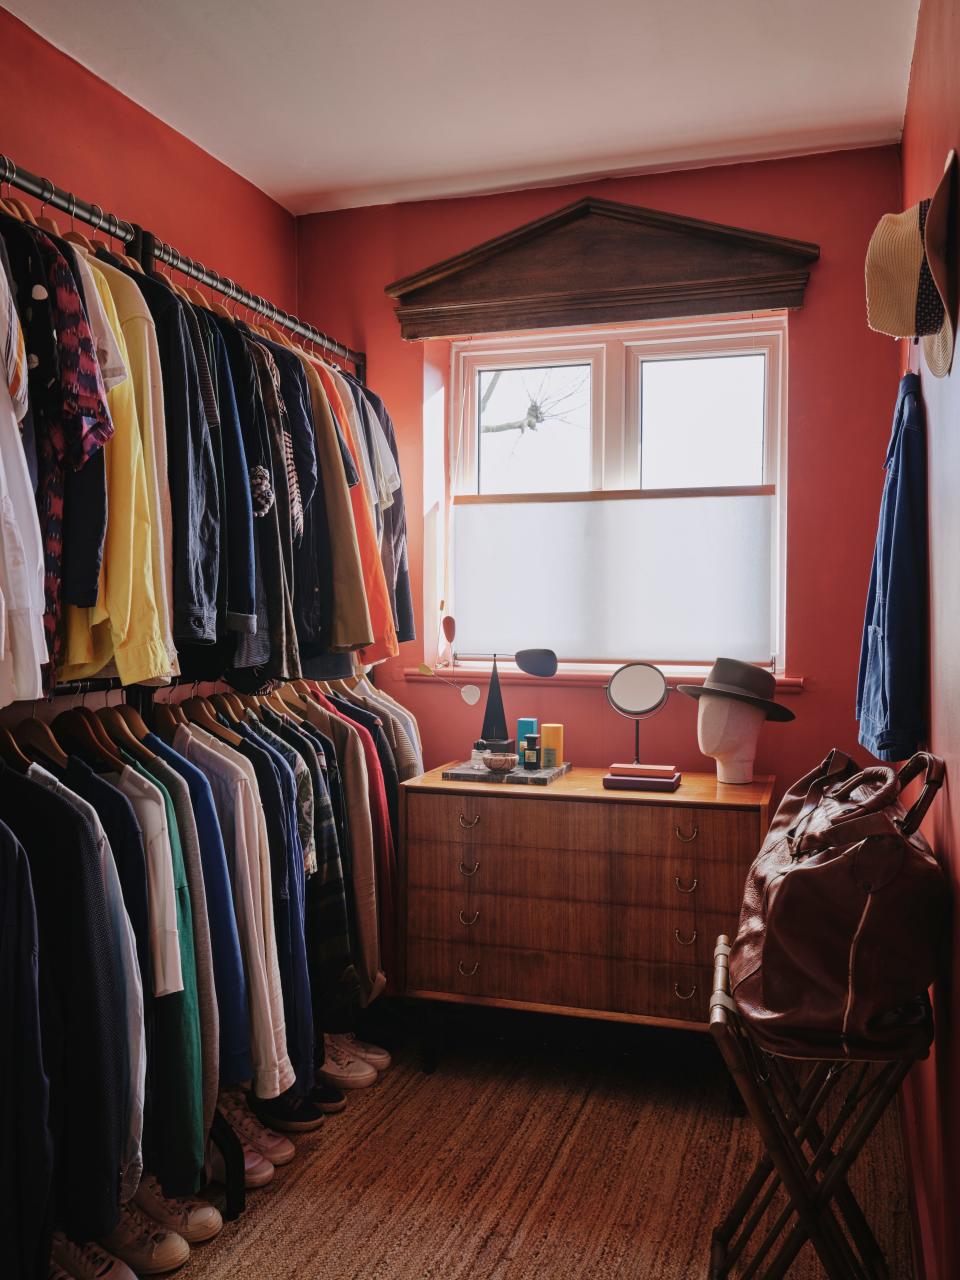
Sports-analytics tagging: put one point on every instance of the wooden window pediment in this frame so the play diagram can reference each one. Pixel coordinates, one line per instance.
(597, 262)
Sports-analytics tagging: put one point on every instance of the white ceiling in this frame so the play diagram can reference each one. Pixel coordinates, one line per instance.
(328, 105)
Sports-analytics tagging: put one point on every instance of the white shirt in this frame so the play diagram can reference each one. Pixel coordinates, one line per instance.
(150, 809)
(23, 646)
(237, 800)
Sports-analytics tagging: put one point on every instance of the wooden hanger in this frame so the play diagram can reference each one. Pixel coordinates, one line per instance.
(11, 753)
(22, 208)
(197, 298)
(79, 239)
(77, 734)
(198, 710)
(221, 310)
(49, 224)
(167, 716)
(35, 738)
(222, 702)
(120, 732)
(99, 732)
(135, 721)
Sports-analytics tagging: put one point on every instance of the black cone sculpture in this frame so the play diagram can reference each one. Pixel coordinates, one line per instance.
(494, 718)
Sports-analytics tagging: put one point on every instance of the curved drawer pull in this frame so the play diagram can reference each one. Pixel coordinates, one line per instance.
(685, 942)
(676, 881)
(464, 920)
(467, 825)
(678, 993)
(473, 870)
(468, 973)
(686, 839)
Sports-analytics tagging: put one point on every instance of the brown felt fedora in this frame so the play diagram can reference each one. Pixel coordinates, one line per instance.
(908, 276)
(730, 678)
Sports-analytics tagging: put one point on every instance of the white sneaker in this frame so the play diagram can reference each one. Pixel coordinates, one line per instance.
(277, 1149)
(342, 1069)
(87, 1261)
(195, 1220)
(144, 1246)
(362, 1049)
(257, 1169)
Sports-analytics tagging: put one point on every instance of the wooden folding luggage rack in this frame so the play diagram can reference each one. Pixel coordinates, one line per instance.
(814, 1118)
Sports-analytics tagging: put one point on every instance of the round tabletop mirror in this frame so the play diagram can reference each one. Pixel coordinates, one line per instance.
(637, 689)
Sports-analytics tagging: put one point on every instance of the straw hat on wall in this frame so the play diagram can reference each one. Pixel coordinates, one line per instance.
(908, 277)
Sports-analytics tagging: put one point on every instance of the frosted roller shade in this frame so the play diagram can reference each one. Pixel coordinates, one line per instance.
(681, 579)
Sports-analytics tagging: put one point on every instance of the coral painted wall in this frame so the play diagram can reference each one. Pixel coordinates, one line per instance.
(931, 128)
(60, 121)
(842, 389)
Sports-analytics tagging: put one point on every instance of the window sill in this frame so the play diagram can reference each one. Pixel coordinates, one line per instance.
(573, 676)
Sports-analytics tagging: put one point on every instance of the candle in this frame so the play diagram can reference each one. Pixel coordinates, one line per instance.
(551, 745)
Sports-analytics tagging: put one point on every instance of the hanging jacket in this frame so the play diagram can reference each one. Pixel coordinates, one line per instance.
(891, 691)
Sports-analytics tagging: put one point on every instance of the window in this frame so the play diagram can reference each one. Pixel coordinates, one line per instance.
(617, 493)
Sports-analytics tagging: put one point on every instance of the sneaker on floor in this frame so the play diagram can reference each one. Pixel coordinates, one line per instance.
(257, 1169)
(86, 1261)
(274, 1146)
(328, 1099)
(366, 1052)
(195, 1220)
(148, 1249)
(294, 1115)
(342, 1069)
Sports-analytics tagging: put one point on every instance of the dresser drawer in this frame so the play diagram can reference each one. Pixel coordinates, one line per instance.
(662, 882)
(678, 934)
(620, 826)
(637, 989)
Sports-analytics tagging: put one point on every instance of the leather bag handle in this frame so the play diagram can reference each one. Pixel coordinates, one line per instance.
(933, 769)
(834, 765)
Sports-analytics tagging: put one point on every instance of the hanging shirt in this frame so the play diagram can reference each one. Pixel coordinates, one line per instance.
(375, 587)
(242, 823)
(124, 954)
(161, 896)
(342, 621)
(124, 625)
(82, 1009)
(179, 1137)
(167, 777)
(26, 1154)
(23, 644)
(143, 361)
(230, 981)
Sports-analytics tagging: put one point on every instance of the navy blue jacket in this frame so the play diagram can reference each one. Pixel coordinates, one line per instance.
(892, 688)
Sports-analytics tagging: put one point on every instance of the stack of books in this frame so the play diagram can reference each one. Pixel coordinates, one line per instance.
(642, 777)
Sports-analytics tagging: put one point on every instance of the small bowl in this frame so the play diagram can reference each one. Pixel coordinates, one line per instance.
(500, 761)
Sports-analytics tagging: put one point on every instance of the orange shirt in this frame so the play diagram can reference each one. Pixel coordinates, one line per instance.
(374, 582)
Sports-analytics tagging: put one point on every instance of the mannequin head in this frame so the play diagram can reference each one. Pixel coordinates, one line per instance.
(728, 729)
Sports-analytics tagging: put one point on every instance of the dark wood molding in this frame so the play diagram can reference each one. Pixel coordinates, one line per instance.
(596, 262)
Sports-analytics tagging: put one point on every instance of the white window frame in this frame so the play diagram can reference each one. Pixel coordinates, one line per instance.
(616, 355)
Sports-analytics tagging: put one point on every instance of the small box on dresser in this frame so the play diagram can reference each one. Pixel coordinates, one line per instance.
(574, 899)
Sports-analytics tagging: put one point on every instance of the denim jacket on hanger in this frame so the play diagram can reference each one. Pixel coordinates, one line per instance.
(892, 688)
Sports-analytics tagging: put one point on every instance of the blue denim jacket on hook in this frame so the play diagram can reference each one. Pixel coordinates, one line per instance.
(892, 688)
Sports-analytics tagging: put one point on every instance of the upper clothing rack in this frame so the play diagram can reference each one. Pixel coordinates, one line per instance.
(148, 248)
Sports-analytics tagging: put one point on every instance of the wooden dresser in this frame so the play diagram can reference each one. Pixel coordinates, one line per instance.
(573, 899)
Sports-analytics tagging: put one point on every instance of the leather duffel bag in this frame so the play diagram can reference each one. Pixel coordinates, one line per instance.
(842, 918)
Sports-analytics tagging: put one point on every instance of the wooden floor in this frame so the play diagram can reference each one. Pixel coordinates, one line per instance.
(539, 1148)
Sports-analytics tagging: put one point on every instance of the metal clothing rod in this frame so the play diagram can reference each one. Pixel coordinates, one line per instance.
(57, 198)
(155, 249)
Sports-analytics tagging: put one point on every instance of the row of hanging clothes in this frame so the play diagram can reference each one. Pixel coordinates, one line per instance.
(181, 493)
(193, 914)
